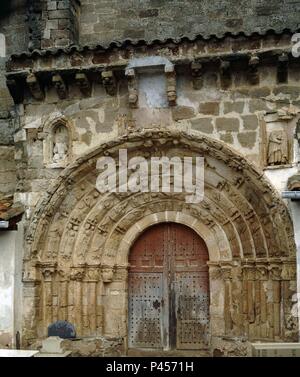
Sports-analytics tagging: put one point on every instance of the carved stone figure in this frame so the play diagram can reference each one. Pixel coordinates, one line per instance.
(60, 147)
(277, 148)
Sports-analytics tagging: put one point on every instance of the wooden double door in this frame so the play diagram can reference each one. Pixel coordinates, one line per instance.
(168, 289)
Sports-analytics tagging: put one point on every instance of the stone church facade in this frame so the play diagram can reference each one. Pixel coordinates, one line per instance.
(84, 79)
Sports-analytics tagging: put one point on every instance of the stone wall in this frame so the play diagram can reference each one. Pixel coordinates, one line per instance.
(243, 116)
(106, 21)
(15, 30)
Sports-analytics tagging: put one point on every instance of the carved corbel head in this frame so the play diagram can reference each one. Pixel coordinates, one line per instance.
(35, 87)
(253, 70)
(83, 83)
(60, 86)
(197, 74)
(109, 82)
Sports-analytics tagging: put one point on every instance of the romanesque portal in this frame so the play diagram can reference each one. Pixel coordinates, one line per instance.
(78, 265)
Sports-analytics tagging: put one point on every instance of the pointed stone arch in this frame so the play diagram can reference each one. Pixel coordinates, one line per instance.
(78, 240)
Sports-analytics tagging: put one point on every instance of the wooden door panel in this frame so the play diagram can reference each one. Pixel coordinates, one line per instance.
(145, 310)
(192, 310)
(168, 289)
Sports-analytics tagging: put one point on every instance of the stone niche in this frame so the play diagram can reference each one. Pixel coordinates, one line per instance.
(278, 136)
(57, 143)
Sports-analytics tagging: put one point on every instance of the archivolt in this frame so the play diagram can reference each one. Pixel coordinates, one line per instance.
(242, 215)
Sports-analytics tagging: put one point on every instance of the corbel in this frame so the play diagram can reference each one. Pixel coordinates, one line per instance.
(197, 75)
(253, 70)
(60, 86)
(35, 87)
(109, 82)
(282, 68)
(83, 84)
(225, 74)
(171, 85)
(132, 88)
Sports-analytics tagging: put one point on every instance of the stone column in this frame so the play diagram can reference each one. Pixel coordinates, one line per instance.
(295, 209)
(47, 305)
(77, 275)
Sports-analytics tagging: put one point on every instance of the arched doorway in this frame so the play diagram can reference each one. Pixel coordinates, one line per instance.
(168, 289)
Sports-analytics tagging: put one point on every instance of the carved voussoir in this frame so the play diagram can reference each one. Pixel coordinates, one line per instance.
(60, 86)
(35, 87)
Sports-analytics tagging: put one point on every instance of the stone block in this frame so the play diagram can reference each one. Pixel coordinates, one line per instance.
(292, 91)
(260, 92)
(250, 122)
(56, 14)
(247, 139)
(51, 5)
(209, 108)
(233, 107)
(134, 33)
(203, 124)
(227, 138)
(257, 105)
(53, 344)
(148, 13)
(228, 124)
(182, 112)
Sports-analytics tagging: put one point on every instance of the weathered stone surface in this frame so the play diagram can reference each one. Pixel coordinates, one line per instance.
(77, 240)
(236, 107)
(209, 108)
(227, 137)
(257, 105)
(247, 139)
(203, 124)
(227, 124)
(182, 112)
(250, 122)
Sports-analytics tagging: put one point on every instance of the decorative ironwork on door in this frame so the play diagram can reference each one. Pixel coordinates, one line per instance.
(168, 289)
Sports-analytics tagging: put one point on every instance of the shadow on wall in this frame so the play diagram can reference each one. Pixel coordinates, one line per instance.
(9, 6)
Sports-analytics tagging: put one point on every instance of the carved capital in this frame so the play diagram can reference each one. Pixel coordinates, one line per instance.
(108, 274)
(48, 271)
(77, 273)
(92, 274)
